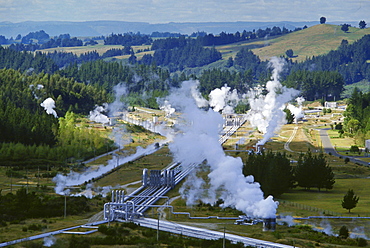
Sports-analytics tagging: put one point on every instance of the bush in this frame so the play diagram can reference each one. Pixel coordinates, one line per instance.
(361, 242)
(354, 149)
(343, 232)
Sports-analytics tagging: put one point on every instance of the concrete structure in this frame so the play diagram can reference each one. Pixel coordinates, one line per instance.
(330, 104)
(367, 144)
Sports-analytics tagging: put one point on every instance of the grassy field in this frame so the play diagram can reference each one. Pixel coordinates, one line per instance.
(312, 41)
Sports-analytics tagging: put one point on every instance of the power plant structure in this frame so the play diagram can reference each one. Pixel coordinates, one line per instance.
(156, 183)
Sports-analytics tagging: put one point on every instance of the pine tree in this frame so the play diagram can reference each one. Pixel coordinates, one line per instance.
(350, 200)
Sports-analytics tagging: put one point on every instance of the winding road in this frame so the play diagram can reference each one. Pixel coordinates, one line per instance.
(328, 147)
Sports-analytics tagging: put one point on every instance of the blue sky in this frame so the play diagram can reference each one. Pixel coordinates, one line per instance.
(164, 11)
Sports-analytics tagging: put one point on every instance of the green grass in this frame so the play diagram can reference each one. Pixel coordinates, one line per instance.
(363, 86)
(331, 200)
(312, 41)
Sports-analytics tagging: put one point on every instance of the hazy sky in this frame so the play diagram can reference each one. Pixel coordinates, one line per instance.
(163, 11)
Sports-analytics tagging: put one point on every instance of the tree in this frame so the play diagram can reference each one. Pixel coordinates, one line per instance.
(350, 200)
(322, 20)
(289, 53)
(313, 171)
(343, 232)
(345, 27)
(289, 116)
(271, 170)
(230, 62)
(362, 24)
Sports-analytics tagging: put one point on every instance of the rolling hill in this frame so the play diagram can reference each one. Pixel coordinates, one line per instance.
(312, 41)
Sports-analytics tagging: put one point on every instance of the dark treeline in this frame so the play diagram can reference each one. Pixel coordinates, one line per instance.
(276, 175)
(35, 37)
(63, 41)
(188, 53)
(351, 61)
(22, 205)
(326, 85)
(128, 39)
(228, 38)
(216, 78)
(24, 61)
(138, 78)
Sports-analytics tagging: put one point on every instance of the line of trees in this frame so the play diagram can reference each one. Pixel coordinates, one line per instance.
(128, 39)
(189, 54)
(327, 85)
(357, 117)
(23, 205)
(276, 175)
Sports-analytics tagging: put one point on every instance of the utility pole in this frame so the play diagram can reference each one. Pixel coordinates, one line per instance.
(223, 243)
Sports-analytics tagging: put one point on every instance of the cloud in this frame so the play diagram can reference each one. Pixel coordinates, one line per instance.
(163, 11)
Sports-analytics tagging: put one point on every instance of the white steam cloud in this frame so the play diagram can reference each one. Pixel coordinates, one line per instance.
(97, 114)
(49, 241)
(199, 138)
(224, 99)
(166, 107)
(266, 113)
(75, 178)
(49, 105)
(297, 111)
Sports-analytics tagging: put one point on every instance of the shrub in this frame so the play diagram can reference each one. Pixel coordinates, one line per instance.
(361, 242)
(343, 232)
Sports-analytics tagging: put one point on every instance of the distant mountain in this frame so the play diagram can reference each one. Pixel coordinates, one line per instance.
(97, 28)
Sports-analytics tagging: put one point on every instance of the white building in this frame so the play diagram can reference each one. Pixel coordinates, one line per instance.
(330, 104)
(367, 144)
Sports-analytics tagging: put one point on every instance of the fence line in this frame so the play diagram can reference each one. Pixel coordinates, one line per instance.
(310, 208)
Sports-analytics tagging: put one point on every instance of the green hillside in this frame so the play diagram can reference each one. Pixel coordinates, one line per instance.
(313, 41)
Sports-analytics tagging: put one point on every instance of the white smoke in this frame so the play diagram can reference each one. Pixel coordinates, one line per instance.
(49, 241)
(199, 137)
(200, 101)
(97, 114)
(120, 90)
(37, 88)
(266, 113)
(224, 99)
(166, 107)
(358, 232)
(297, 111)
(75, 178)
(92, 191)
(49, 105)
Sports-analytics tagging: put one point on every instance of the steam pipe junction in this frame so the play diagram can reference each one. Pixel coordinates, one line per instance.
(156, 183)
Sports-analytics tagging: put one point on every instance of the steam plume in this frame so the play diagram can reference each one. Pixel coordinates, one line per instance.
(223, 99)
(49, 241)
(199, 137)
(266, 113)
(74, 178)
(97, 114)
(49, 105)
(297, 111)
